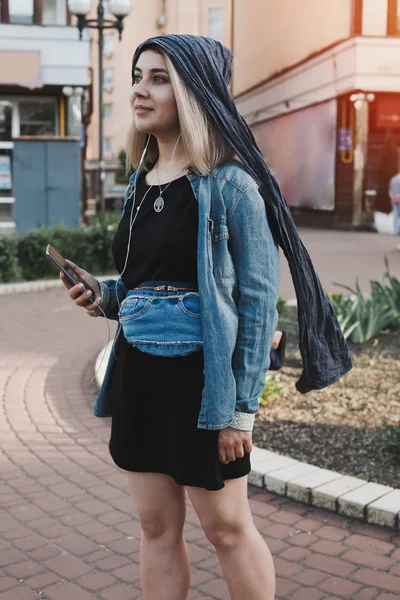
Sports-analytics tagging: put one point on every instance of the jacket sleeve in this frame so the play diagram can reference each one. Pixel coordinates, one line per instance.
(109, 304)
(256, 259)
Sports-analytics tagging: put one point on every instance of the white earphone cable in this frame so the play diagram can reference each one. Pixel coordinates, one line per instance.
(132, 219)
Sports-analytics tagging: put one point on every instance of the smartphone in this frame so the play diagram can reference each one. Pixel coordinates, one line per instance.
(68, 271)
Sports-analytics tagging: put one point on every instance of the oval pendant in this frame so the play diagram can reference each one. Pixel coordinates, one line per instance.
(159, 204)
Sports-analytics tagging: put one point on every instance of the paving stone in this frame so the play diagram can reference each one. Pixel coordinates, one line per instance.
(368, 559)
(260, 469)
(276, 481)
(340, 587)
(326, 495)
(217, 588)
(366, 594)
(120, 592)
(370, 544)
(310, 577)
(7, 582)
(329, 564)
(19, 593)
(385, 510)
(285, 588)
(352, 504)
(95, 582)
(328, 547)
(24, 569)
(65, 590)
(66, 566)
(382, 581)
(300, 488)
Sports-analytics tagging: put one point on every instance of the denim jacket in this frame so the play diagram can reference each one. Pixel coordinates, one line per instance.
(238, 282)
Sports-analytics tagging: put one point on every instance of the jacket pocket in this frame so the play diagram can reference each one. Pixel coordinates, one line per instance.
(219, 257)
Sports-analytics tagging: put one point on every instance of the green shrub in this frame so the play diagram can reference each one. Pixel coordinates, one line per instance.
(281, 306)
(362, 317)
(393, 288)
(23, 257)
(272, 389)
(9, 269)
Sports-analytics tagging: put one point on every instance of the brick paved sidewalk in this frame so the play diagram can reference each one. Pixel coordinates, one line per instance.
(67, 526)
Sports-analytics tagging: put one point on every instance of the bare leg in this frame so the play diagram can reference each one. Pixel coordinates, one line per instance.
(244, 556)
(164, 559)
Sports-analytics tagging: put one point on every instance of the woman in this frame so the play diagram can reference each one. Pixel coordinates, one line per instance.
(194, 216)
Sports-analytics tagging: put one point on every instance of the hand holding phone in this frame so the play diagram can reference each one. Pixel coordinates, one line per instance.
(83, 287)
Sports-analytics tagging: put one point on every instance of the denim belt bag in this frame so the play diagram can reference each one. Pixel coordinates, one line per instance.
(162, 318)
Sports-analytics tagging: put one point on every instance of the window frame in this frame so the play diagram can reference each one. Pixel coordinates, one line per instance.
(110, 154)
(110, 106)
(37, 14)
(220, 21)
(17, 100)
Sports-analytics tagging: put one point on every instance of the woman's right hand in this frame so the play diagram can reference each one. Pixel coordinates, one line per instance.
(76, 292)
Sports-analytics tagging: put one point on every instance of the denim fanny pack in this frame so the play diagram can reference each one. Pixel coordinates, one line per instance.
(162, 318)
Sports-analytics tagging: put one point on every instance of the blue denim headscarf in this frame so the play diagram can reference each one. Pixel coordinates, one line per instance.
(204, 65)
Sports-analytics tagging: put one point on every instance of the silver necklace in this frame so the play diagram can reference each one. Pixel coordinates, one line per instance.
(159, 202)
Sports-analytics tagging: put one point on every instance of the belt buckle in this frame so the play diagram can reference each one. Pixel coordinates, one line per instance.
(171, 288)
(160, 288)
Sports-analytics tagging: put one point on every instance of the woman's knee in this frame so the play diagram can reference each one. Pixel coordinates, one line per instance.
(160, 504)
(156, 525)
(224, 533)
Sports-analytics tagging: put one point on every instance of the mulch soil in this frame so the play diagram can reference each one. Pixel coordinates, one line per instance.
(353, 426)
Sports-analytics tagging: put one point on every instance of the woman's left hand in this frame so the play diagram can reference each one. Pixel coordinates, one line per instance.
(233, 443)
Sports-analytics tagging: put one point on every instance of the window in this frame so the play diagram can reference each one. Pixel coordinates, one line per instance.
(108, 47)
(5, 121)
(215, 23)
(54, 12)
(108, 147)
(38, 117)
(108, 111)
(20, 11)
(108, 82)
(27, 12)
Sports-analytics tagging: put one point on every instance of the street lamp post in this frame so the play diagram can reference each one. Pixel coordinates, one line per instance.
(120, 9)
(361, 102)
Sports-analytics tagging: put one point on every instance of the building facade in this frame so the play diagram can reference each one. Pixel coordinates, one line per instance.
(44, 83)
(320, 88)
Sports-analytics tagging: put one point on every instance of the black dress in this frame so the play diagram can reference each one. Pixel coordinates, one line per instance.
(156, 400)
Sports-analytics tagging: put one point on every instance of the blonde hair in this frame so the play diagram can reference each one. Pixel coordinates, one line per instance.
(201, 138)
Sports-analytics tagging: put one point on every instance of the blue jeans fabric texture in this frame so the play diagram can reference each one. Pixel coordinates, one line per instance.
(162, 323)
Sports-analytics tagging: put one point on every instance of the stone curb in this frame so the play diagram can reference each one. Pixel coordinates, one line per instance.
(349, 496)
(36, 286)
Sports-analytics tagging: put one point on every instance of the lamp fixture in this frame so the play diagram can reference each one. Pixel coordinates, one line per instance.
(119, 9)
(79, 7)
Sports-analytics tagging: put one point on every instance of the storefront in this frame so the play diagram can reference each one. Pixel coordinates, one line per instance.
(44, 82)
(330, 130)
